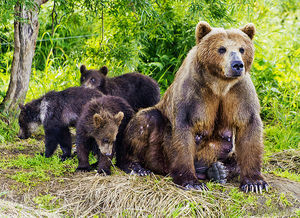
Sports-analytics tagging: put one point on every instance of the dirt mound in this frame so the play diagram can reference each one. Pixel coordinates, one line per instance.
(284, 185)
(285, 160)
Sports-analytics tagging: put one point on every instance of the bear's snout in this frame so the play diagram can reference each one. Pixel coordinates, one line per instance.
(237, 68)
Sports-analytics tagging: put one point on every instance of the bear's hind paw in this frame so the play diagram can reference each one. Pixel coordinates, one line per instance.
(137, 169)
(199, 186)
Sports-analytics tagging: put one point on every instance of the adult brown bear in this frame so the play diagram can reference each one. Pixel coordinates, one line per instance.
(212, 92)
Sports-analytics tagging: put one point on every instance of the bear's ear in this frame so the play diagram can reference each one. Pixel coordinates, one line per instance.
(21, 106)
(119, 117)
(104, 70)
(82, 69)
(98, 121)
(249, 29)
(202, 29)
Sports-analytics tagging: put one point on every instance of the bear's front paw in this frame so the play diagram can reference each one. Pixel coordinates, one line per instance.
(65, 157)
(104, 172)
(137, 169)
(217, 172)
(254, 186)
(82, 169)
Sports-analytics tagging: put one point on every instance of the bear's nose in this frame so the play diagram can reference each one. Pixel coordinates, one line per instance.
(237, 67)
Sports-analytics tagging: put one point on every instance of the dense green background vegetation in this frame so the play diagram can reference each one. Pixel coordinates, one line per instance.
(153, 37)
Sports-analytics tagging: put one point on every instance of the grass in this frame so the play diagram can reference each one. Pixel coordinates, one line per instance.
(152, 196)
(32, 170)
(49, 186)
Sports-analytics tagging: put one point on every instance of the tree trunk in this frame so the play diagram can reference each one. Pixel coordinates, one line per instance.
(26, 27)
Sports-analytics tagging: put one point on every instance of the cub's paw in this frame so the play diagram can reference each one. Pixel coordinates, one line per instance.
(82, 169)
(217, 172)
(104, 172)
(137, 169)
(65, 157)
(254, 186)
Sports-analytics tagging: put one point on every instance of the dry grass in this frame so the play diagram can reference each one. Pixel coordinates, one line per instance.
(285, 160)
(87, 194)
(12, 209)
(134, 196)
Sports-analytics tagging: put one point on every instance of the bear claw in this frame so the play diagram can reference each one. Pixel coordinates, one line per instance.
(257, 188)
(137, 169)
(200, 186)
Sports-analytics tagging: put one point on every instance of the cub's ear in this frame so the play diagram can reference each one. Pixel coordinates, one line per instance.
(21, 106)
(249, 29)
(82, 69)
(119, 117)
(98, 121)
(202, 29)
(104, 70)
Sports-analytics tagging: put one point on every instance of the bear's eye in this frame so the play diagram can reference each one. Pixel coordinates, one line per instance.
(105, 140)
(93, 80)
(198, 139)
(242, 50)
(222, 50)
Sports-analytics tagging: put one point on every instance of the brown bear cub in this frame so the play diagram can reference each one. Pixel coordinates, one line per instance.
(147, 140)
(100, 130)
(213, 91)
(138, 90)
(56, 111)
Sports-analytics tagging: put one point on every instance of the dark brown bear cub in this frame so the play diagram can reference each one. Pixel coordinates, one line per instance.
(100, 129)
(138, 90)
(148, 137)
(56, 111)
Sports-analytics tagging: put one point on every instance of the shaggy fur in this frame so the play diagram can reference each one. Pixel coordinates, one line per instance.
(148, 137)
(99, 129)
(56, 111)
(212, 92)
(138, 90)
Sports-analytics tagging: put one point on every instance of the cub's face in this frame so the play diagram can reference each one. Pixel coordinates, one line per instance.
(93, 78)
(27, 121)
(106, 128)
(227, 54)
(218, 148)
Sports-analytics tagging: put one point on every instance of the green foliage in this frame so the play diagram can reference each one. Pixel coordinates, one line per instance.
(33, 170)
(48, 201)
(8, 126)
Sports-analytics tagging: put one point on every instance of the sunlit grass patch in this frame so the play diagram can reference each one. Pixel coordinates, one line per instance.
(33, 170)
(47, 201)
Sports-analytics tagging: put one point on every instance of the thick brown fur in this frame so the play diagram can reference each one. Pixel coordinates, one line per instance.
(56, 111)
(148, 138)
(213, 91)
(100, 129)
(139, 90)
(206, 92)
